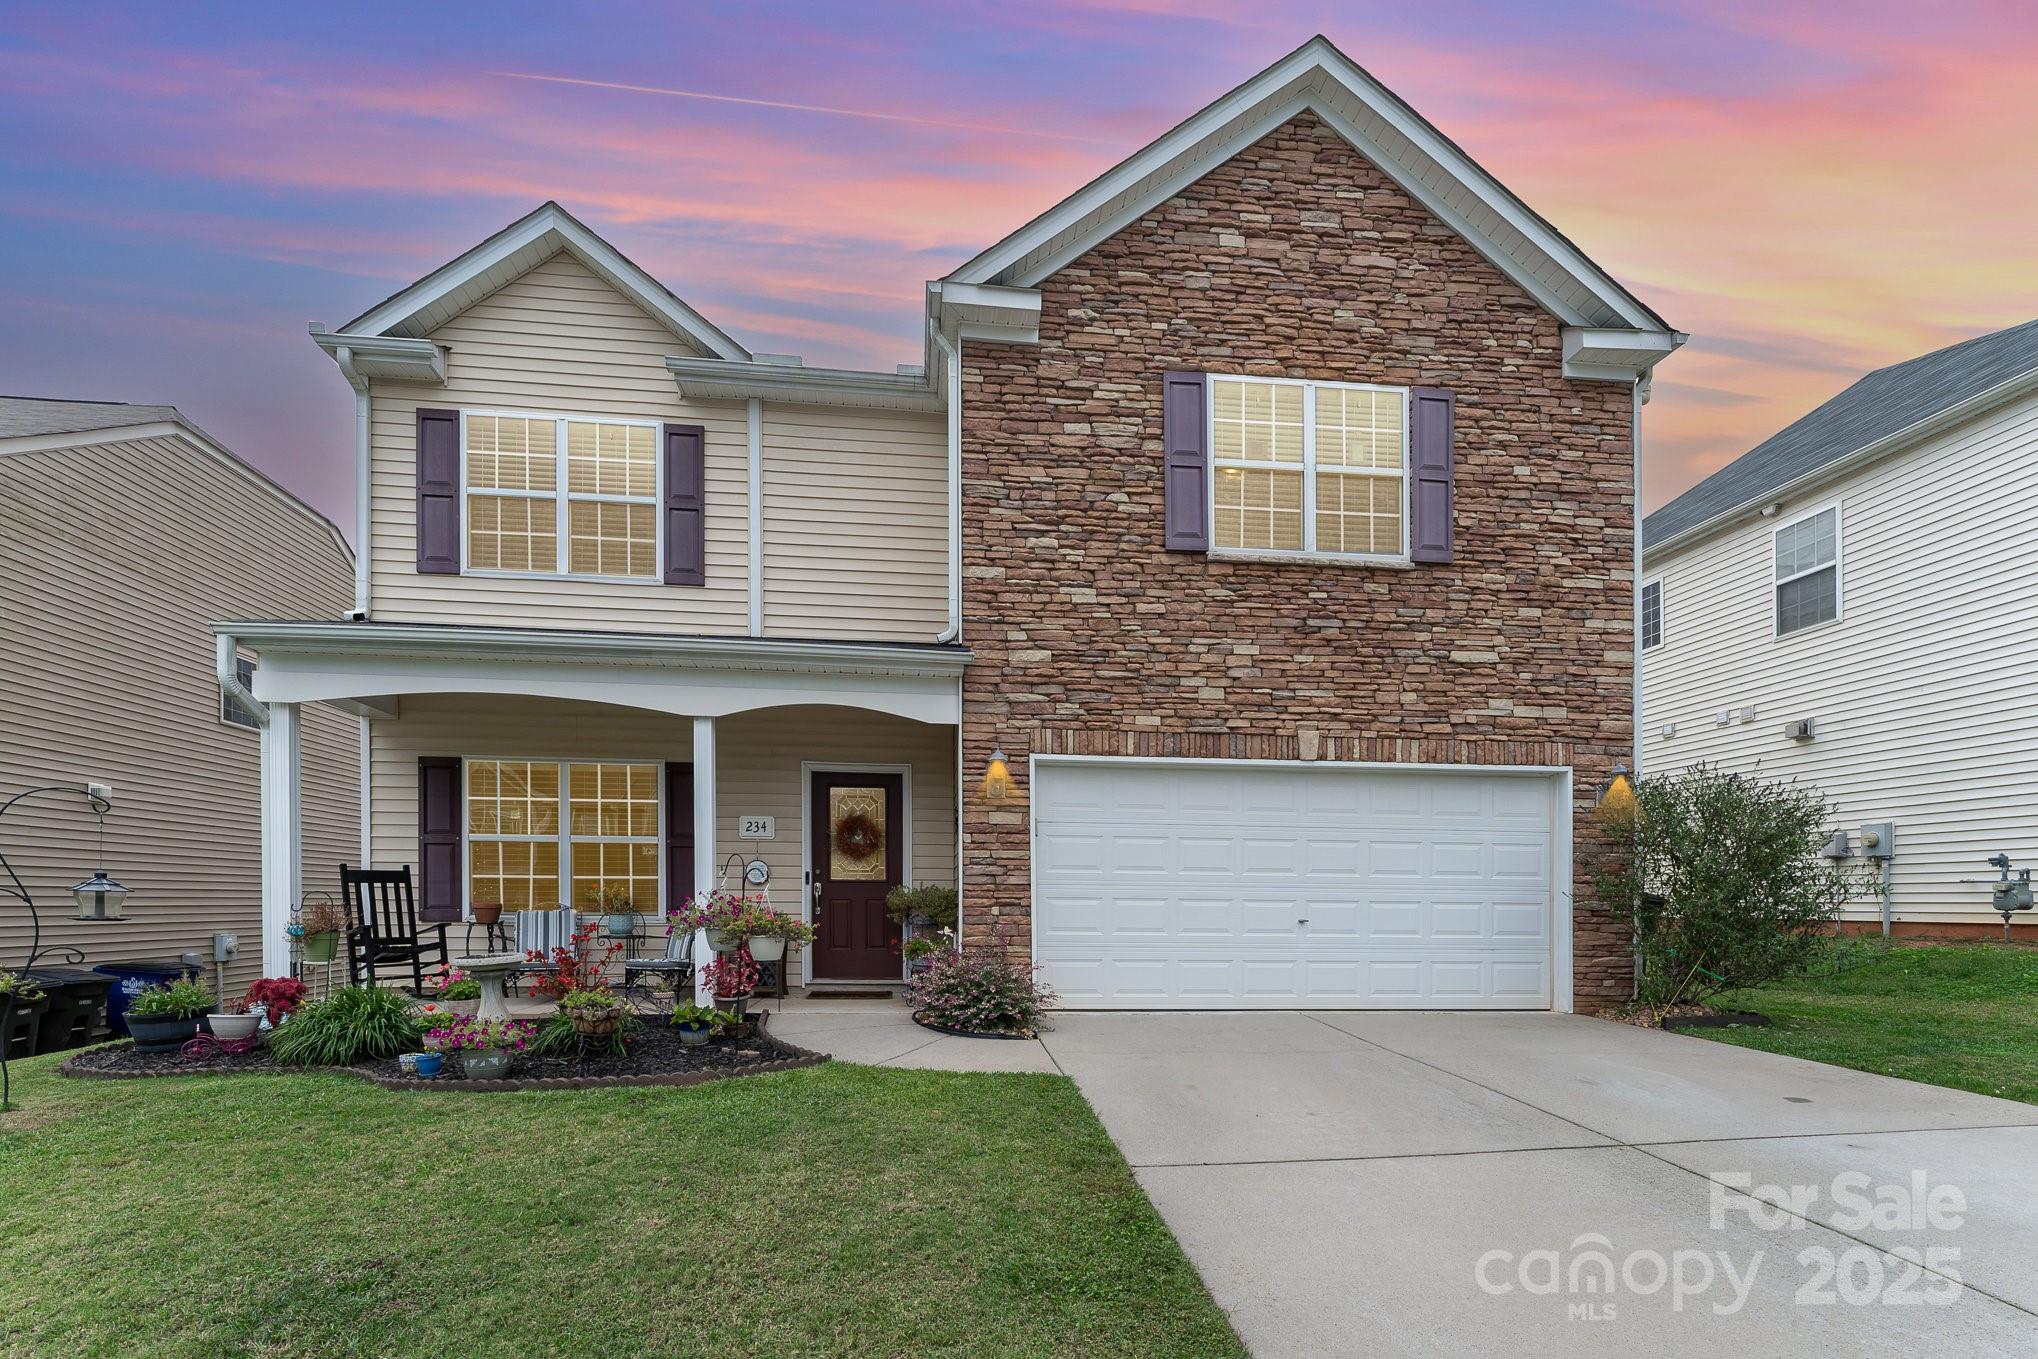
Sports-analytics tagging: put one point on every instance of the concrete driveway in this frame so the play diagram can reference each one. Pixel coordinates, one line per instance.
(1448, 1184)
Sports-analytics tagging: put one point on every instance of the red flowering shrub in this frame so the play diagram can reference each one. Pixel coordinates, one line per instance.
(582, 965)
(731, 975)
(979, 991)
(278, 995)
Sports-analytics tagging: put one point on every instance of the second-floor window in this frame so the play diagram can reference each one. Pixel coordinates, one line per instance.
(1652, 614)
(1309, 468)
(1807, 567)
(560, 495)
(231, 709)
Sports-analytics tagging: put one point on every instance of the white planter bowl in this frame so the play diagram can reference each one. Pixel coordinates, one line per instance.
(233, 1028)
(767, 948)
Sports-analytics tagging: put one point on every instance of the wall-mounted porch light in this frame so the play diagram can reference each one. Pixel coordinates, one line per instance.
(1617, 798)
(997, 777)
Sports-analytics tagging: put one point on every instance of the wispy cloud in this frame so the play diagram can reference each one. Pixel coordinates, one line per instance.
(914, 119)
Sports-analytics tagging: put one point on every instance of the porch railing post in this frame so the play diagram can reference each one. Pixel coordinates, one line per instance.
(703, 840)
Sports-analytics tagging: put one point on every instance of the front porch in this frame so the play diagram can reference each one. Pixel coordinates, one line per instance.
(538, 770)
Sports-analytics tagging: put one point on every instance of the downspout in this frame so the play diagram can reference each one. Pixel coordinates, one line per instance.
(953, 381)
(344, 356)
(227, 657)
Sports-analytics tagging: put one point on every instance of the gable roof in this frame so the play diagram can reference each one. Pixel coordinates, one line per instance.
(1318, 78)
(1887, 403)
(514, 251)
(29, 415)
(46, 424)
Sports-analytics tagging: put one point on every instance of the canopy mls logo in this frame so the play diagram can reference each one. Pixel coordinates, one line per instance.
(1591, 1278)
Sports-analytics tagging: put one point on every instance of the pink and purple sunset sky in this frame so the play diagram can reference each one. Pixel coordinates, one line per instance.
(1811, 190)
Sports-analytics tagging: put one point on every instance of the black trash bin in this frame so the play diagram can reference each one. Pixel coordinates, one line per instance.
(77, 1007)
(131, 979)
(20, 1022)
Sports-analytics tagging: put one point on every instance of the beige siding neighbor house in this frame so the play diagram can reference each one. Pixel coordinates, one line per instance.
(641, 612)
(1851, 605)
(124, 531)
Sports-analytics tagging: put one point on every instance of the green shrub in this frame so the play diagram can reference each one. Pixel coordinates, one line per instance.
(1725, 880)
(184, 998)
(359, 1024)
(937, 904)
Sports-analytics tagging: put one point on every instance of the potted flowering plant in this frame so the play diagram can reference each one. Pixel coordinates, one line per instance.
(922, 950)
(162, 1018)
(698, 1023)
(769, 932)
(485, 1045)
(276, 997)
(720, 913)
(453, 990)
(731, 979)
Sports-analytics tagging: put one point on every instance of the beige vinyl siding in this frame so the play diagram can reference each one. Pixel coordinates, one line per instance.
(114, 560)
(1924, 694)
(558, 341)
(855, 523)
(759, 755)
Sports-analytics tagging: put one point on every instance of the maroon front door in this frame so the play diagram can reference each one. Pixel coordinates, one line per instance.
(854, 824)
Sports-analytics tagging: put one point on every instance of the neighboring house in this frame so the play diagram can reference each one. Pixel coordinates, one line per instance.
(1849, 604)
(124, 530)
(1267, 506)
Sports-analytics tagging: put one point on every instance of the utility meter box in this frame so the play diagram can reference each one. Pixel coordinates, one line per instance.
(225, 947)
(1878, 840)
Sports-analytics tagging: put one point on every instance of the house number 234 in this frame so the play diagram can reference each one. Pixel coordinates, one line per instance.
(756, 827)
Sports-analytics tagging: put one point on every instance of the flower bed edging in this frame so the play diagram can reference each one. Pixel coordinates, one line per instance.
(969, 1033)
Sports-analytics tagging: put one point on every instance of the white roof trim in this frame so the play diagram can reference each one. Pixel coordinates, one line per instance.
(1319, 78)
(517, 248)
(721, 380)
(352, 663)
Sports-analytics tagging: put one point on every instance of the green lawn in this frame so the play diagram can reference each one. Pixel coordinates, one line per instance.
(1962, 1015)
(836, 1211)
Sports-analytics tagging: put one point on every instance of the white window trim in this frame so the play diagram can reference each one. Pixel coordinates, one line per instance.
(1776, 631)
(562, 543)
(565, 838)
(1662, 616)
(1308, 469)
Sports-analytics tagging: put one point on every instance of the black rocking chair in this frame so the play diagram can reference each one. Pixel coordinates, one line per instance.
(385, 930)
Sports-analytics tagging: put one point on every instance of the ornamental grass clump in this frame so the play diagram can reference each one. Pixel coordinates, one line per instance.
(358, 1024)
(979, 991)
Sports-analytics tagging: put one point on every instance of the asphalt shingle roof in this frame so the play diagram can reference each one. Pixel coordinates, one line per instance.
(23, 415)
(1881, 404)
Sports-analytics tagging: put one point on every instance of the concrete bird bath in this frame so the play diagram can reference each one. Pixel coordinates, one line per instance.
(492, 970)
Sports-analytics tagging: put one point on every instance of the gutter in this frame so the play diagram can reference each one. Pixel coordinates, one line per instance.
(952, 379)
(226, 660)
(2008, 390)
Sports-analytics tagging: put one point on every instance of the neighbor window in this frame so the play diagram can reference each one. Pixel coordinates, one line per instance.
(232, 709)
(1315, 467)
(1652, 614)
(1807, 561)
(561, 496)
(540, 833)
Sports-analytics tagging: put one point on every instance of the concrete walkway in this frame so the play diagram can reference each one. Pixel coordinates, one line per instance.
(1342, 1180)
(882, 1033)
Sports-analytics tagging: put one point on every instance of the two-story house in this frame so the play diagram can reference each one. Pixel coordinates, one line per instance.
(1236, 604)
(1848, 605)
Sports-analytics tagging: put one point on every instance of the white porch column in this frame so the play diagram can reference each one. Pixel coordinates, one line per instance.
(282, 833)
(703, 839)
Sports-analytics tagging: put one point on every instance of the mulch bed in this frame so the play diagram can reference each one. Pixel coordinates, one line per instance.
(1687, 1017)
(919, 1017)
(656, 1057)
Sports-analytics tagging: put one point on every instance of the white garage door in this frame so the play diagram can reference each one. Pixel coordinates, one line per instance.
(1170, 885)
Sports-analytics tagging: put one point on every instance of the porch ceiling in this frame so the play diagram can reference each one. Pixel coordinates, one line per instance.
(362, 664)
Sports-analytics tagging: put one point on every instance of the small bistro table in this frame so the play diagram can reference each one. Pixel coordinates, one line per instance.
(492, 970)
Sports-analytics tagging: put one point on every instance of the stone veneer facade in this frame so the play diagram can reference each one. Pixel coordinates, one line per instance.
(1297, 258)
